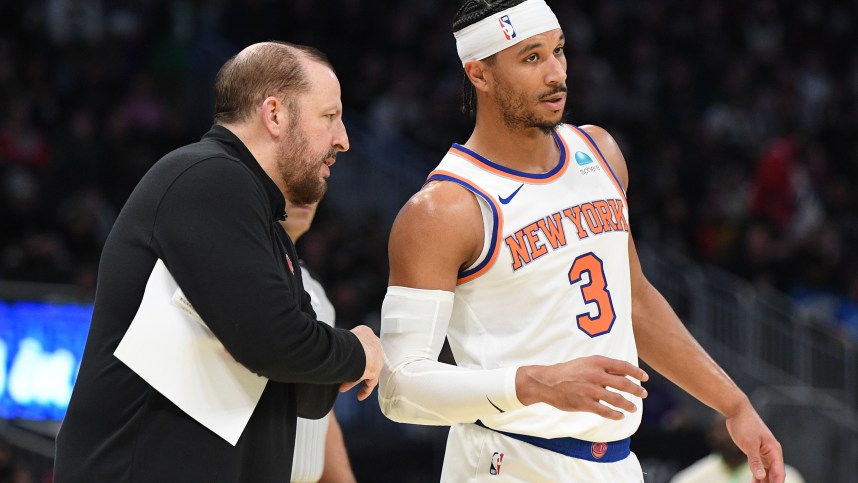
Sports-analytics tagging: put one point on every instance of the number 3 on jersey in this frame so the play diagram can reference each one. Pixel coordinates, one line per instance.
(595, 291)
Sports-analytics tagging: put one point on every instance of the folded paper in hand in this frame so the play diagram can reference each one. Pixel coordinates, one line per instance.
(172, 349)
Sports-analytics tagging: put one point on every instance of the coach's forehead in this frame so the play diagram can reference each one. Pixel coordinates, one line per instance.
(324, 90)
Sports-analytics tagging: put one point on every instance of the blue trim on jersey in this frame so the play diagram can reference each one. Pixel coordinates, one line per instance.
(576, 448)
(514, 172)
(593, 141)
(476, 191)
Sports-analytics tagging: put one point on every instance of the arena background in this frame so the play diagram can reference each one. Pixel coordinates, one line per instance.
(738, 121)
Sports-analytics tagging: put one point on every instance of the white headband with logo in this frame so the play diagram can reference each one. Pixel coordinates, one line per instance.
(504, 29)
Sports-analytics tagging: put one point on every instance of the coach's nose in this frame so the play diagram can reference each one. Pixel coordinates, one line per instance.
(341, 138)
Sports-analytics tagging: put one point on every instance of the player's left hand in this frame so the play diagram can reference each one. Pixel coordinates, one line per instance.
(753, 437)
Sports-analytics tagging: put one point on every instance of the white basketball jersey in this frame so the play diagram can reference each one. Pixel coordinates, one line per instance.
(552, 283)
(308, 462)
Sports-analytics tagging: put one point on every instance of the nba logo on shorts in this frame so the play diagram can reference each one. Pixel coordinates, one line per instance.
(506, 26)
(497, 459)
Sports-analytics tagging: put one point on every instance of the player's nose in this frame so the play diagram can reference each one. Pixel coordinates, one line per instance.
(556, 72)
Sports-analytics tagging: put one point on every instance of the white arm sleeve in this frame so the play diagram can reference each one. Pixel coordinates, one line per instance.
(414, 387)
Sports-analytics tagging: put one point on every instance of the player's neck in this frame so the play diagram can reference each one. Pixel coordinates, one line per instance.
(529, 150)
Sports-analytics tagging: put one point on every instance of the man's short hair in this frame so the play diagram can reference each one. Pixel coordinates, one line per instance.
(267, 69)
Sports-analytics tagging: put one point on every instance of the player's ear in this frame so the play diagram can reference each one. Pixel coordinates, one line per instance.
(476, 70)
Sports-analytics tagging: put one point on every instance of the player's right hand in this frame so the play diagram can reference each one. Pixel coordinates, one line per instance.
(374, 360)
(580, 385)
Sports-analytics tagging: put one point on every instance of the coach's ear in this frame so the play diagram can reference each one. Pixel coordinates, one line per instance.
(275, 116)
(477, 71)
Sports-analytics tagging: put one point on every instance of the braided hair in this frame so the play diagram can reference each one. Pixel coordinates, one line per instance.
(469, 13)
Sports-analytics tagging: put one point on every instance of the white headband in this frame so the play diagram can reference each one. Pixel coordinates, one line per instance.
(504, 29)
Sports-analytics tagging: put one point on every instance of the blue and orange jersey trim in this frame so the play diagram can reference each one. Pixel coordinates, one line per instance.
(497, 223)
(500, 170)
(602, 160)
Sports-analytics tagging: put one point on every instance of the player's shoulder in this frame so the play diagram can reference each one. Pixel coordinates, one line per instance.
(604, 140)
(442, 200)
(610, 149)
(442, 213)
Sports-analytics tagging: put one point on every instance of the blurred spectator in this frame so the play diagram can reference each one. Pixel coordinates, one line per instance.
(782, 193)
(142, 110)
(726, 464)
(847, 312)
(11, 471)
(71, 20)
(21, 143)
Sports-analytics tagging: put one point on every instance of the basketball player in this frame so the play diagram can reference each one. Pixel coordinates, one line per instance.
(518, 250)
(320, 453)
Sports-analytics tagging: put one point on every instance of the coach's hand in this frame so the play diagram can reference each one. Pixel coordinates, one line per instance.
(374, 360)
(753, 437)
(579, 385)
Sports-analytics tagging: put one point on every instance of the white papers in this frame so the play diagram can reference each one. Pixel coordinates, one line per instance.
(169, 346)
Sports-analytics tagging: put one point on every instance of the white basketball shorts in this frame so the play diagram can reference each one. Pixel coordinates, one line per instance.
(479, 454)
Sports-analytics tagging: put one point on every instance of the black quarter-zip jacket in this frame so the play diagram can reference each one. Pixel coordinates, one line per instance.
(210, 212)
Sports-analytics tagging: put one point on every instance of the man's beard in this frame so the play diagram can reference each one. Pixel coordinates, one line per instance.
(517, 113)
(299, 169)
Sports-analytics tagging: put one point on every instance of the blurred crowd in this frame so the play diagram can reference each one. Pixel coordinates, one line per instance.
(738, 121)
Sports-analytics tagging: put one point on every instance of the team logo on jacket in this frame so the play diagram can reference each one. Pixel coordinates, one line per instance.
(495, 467)
(506, 27)
(598, 450)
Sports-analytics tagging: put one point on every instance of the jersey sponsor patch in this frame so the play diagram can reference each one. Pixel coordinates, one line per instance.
(586, 165)
(583, 158)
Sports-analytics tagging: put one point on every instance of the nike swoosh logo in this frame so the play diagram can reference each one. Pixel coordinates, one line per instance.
(509, 198)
